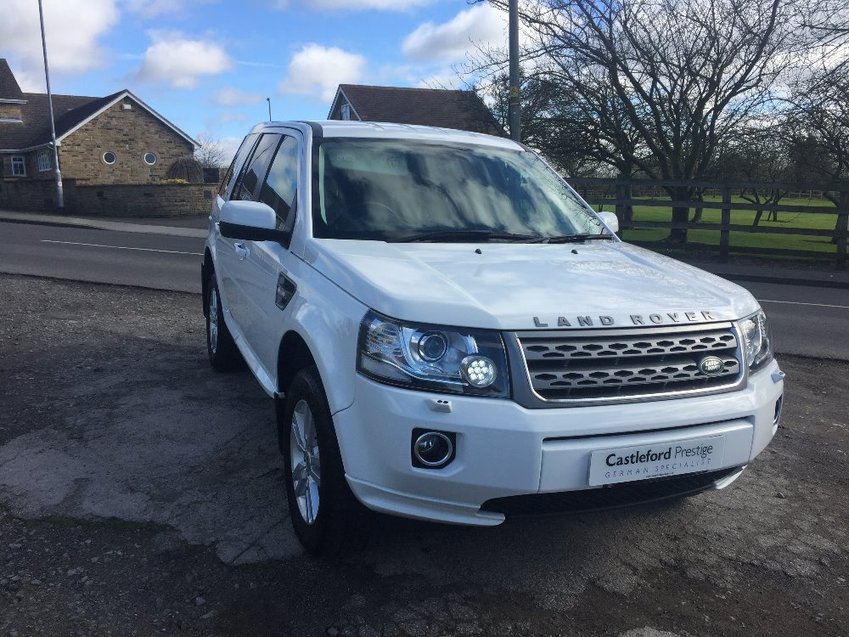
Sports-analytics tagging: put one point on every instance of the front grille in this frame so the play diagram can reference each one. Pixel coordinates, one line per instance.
(607, 497)
(569, 366)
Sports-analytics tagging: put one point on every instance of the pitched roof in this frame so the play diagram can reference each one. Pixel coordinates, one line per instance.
(462, 110)
(9, 89)
(70, 112)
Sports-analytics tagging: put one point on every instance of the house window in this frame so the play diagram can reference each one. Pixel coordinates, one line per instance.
(19, 166)
(43, 161)
(346, 111)
(150, 159)
(109, 157)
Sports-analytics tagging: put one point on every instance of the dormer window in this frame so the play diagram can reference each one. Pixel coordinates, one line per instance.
(44, 163)
(19, 166)
(346, 111)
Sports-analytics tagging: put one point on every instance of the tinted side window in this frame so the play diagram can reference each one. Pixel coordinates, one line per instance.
(244, 149)
(281, 186)
(257, 168)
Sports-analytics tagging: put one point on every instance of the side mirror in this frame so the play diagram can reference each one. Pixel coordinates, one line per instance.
(251, 221)
(610, 220)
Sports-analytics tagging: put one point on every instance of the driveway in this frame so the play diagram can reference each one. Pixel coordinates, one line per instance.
(141, 492)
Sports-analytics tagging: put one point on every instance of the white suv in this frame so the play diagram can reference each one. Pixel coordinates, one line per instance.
(451, 333)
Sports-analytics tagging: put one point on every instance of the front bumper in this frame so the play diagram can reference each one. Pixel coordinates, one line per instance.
(505, 450)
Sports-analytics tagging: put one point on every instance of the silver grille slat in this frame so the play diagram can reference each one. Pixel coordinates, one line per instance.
(620, 347)
(570, 366)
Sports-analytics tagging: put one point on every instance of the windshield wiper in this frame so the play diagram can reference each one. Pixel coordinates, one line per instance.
(575, 238)
(461, 236)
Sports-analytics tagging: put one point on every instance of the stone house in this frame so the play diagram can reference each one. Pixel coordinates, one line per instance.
(462, 110)
(117, 139)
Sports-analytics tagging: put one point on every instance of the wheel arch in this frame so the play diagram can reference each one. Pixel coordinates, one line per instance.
(293, 355)
(323, 333)
(206, 269)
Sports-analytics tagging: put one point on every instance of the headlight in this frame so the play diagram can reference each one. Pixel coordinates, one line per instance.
(757, 343)
(443, 359)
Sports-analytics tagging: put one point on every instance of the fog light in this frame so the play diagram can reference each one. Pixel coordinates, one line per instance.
(478, 371)
(432, 449)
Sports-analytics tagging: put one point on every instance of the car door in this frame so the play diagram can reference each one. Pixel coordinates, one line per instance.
(223, 246)
(270, 270)
(224, 255)
(232, 253)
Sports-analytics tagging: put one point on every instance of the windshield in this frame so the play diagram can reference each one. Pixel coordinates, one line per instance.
(407, 190)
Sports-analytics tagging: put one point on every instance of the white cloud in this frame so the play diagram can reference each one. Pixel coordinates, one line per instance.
(228, 117)
(180, 61)
(153, 8)
(229, 146)
(452, 40)
(316, 71)
(71, 49)
(156, 8)
(229, 96)
(360, 5)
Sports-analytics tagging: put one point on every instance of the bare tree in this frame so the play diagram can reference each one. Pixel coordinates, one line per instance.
(820, 133)
(210, 152)
(759, 156)
(547, 124)
(829, 19)
(663, 84)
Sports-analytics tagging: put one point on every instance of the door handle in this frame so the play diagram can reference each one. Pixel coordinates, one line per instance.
(241, 251)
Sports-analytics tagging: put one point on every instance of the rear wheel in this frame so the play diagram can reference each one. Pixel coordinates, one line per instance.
(223, 354)
(326, 516)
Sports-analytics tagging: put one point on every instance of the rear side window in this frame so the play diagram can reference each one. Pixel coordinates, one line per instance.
(281, 185)
(238, 160)
(252, 176)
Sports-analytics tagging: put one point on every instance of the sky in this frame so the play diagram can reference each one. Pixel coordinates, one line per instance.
(209, 65)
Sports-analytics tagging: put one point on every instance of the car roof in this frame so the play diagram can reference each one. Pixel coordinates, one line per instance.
(388, 130)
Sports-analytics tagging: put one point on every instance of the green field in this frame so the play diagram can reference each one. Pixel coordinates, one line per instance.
(821, 245)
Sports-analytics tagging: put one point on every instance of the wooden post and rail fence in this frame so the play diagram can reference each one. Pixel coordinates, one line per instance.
(623, 196)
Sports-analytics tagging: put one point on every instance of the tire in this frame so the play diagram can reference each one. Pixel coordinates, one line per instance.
(327, 518)
(223, 354)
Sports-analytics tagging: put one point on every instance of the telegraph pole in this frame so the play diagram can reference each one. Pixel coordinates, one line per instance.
(514, 103)
(60, 195)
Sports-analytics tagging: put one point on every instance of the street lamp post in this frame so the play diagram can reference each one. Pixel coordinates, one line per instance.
(514, 101)
(60, 195)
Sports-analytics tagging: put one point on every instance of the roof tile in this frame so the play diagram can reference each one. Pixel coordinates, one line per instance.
(462, 110)
(9, 88)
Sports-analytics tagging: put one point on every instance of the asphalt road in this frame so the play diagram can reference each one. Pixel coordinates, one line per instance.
(807, 321)
(103, 256)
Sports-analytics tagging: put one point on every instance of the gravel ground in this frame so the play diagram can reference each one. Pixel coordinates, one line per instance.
(141, 493)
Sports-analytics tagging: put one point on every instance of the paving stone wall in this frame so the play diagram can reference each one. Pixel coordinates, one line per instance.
(27, 194)
(109, 200)
(129, 133)
(148, 200)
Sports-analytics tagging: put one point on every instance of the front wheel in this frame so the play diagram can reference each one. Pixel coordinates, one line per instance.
(326, 516)
(223, 354)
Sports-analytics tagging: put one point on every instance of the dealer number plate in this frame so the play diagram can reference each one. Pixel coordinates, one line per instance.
(626, 464)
